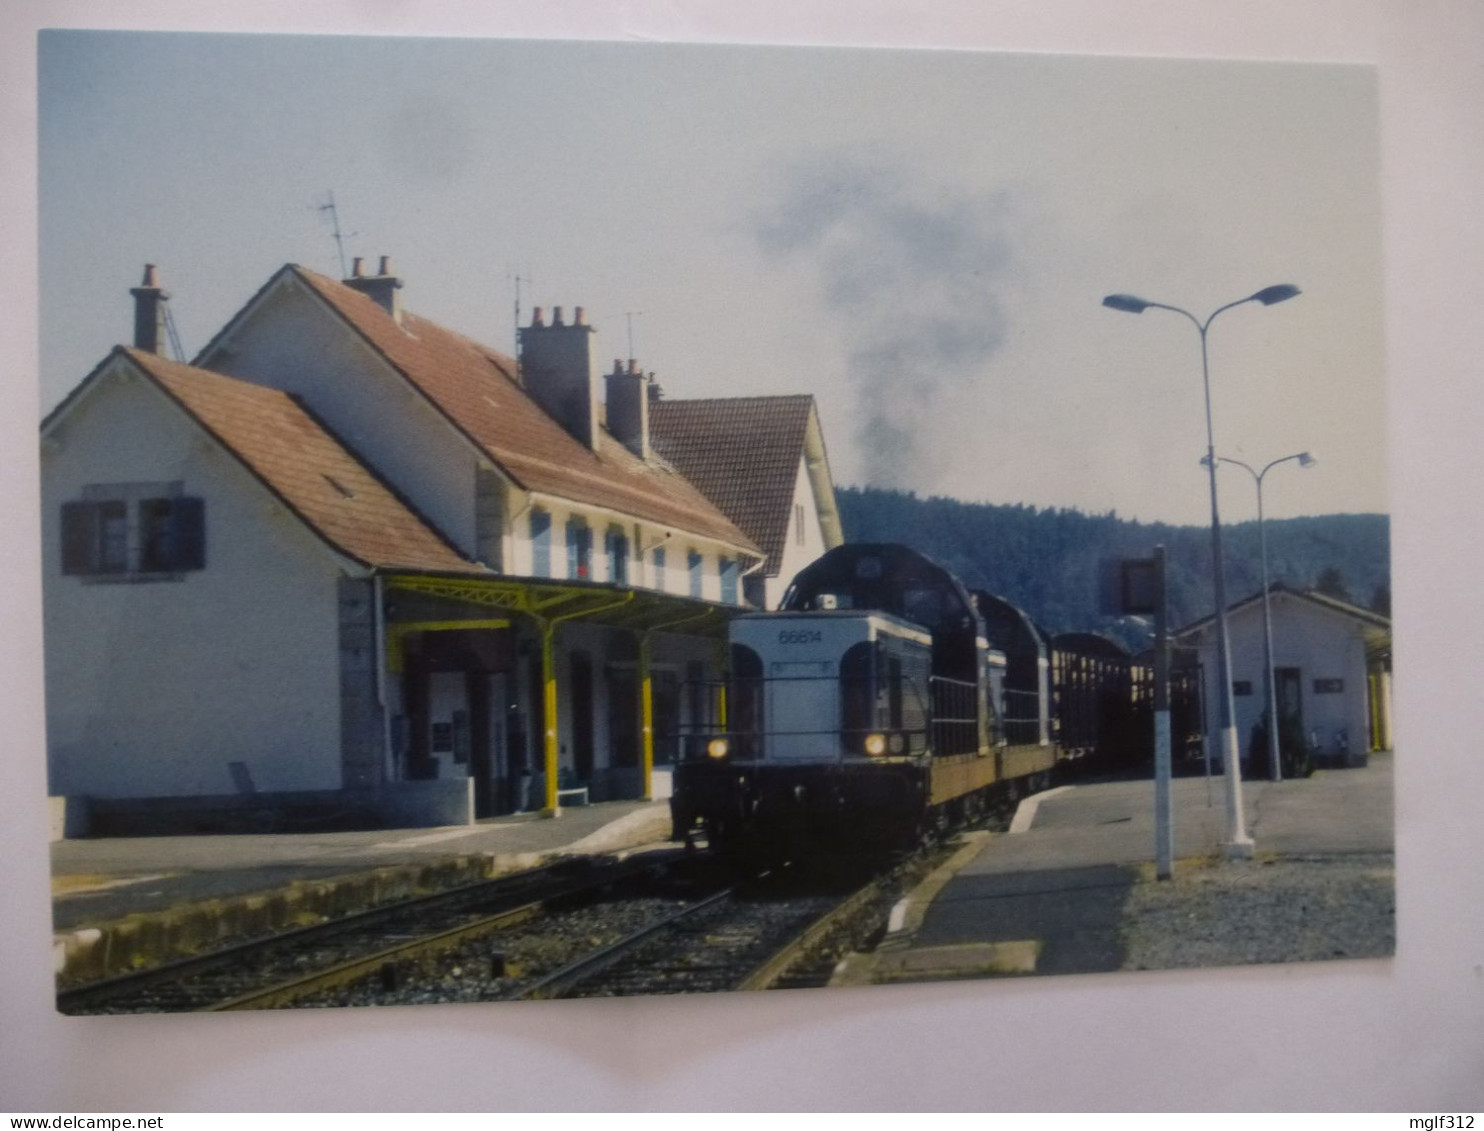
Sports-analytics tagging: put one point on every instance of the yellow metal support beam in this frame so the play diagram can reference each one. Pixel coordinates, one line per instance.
(646, 717)
(549, 808)
(721, 684)
(646, 694)
(548, 626)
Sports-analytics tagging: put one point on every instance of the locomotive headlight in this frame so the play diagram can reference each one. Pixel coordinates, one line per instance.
(875, 744)
(717, 748)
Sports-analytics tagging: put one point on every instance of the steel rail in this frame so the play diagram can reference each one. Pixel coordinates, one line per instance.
(352, 970)
(106, 989)
(795, 950)
(557, 982)
(81, 999)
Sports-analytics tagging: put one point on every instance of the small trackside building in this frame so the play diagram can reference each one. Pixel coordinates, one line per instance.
(351, 566)
(1332, 672)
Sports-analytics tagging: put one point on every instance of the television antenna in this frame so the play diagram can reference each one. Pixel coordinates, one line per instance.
(629, 316)
(339, 236)
(180, 354)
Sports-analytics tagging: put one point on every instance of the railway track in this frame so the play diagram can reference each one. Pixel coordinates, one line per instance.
(779, 930)
(684, 925)
(710, 946)
(280, 969)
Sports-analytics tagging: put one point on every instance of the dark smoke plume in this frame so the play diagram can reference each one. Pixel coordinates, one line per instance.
(910, 273)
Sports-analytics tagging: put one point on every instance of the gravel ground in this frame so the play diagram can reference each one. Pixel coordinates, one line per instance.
(1293, 909)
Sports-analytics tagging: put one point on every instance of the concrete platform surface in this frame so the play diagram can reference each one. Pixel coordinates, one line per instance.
(99, 880)
(1113, 822)
(1051, 893)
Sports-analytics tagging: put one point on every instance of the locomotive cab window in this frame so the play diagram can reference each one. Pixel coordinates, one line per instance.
(894, 693)
(923, 606)
(745, 710)
(857, 695)
(913, 717)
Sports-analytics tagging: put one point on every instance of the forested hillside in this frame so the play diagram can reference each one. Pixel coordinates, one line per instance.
(1046, 561)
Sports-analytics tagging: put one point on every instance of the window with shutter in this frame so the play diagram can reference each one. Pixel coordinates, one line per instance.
(728, 581)
(540, 543)
(618, 557)
(579, 550)
(694, 565)
(133, 532)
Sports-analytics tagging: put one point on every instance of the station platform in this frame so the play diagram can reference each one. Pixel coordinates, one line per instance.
(1044, 898)
(120, 902)
(1049, 896)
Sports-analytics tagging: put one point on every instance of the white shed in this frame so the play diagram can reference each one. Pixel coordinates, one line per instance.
(1332, 671)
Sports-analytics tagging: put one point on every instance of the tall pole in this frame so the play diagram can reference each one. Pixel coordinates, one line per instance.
(1270, 688)
(1238, 844)
(1164, 825)
(1239, 841)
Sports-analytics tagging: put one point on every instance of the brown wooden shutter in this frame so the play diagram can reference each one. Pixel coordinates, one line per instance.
(189, 534)
(79, 538)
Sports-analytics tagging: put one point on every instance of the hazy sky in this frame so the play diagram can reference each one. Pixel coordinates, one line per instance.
(921, 239)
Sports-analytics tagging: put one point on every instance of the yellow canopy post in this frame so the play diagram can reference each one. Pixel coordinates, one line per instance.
(646, 717)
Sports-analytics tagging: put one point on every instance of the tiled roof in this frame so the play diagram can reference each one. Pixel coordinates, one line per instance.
(475, 388)
(743, 453)
(302, 463)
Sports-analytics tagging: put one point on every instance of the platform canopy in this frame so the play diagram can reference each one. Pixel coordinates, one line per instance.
(434, 602)
(546, 599)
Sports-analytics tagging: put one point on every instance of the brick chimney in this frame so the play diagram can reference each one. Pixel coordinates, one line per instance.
(149, 312)
(556, 366)
(382, 286)
(628, 407)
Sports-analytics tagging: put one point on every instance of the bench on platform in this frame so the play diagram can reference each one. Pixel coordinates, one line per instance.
(568, 787)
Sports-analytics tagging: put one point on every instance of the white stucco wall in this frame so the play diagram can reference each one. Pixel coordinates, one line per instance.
(678, 546)
(1322, 644)
(804, 542)
(292, 341)
(154, 687)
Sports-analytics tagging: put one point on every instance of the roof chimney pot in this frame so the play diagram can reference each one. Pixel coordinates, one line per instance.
(560, 371)
(149, 312)
(579, 317)
(381, 289)
(628, 408)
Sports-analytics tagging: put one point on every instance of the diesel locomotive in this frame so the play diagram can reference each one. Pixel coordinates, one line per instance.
(884, 700)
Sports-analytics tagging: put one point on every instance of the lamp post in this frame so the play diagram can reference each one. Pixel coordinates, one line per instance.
(1270, 690)
(1239, 841)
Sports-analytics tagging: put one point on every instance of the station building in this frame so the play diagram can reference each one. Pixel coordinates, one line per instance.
(351, 567)
(1332, 672)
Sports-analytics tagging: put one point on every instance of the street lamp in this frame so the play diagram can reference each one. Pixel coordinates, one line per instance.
(1239, 842)
(1275, 768)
